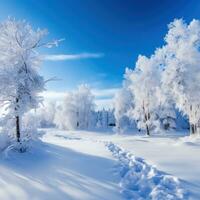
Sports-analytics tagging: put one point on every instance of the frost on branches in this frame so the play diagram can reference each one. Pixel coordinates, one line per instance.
(20, 81)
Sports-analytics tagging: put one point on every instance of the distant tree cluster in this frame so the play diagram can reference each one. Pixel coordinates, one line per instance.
(76, 111)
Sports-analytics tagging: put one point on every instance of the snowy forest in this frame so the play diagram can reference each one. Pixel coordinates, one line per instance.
(157, 94)
(144, 146)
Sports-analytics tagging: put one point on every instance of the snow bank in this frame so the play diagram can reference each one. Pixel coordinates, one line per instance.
(143, 181)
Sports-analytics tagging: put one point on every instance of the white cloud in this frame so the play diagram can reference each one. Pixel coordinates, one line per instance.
(103, 97)
(62, 57)
(104, 93)
(53, 95)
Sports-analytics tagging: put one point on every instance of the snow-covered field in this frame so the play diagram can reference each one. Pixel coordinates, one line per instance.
(102, 166)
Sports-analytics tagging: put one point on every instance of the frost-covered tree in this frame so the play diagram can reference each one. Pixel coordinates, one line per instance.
(99, 123)
(143, 83)
(20, 81)
(181, 78)
(66, 116)
(123, 104)
(166, 111)
(105, 118)
(76, 110)
(84, 101)
(166, 81)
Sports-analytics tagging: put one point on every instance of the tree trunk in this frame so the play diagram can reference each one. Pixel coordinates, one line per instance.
(147, 128)
(146, 118)
(192, 129)
(17, 129)
(17, 122)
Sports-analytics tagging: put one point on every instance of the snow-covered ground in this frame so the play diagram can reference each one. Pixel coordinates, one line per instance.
(85, 165)
(171, 153)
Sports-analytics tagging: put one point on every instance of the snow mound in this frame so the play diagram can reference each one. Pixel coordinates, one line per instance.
(191, 140)
(141, 181)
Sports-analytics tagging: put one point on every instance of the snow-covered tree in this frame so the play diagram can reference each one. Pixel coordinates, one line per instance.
(99, 123)
(143, 83)
(104, 118)
(166, 81)
(76, 110)
(66, 116)
(123, 104)
(20, 81)
(181, 78)
(166, 111)
(84, 101)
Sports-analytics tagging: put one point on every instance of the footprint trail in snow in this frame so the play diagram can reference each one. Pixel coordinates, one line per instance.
(141, 181)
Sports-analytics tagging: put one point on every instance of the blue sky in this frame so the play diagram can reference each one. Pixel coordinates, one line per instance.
(109, 33)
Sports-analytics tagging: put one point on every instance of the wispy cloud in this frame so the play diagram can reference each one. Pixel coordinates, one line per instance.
(53, 95)
(62, 57)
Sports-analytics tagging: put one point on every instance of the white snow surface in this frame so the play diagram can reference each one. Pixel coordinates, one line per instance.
(64, 167)
(83, 165)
